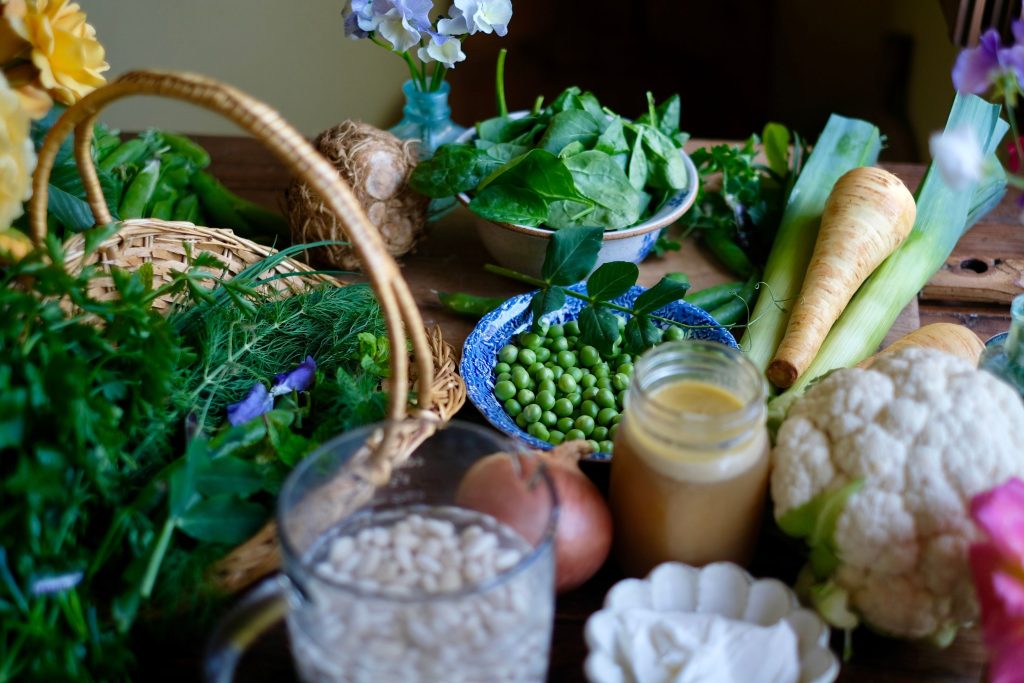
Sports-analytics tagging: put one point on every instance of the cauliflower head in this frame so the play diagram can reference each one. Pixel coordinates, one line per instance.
(876, 468)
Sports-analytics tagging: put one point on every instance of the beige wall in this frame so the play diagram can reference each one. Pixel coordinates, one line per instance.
(293, 54)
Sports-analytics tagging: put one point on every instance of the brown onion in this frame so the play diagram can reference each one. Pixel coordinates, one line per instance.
(504, 486)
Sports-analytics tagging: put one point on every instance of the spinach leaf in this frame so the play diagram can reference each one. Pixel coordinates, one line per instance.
(568, 99)
(612, 279)
(601, 180)
(574, 147)
(454, 168)
(506, 151)
(638, 164)
(509, 204)
(540, 171)
(571, 254)
(667, 168)
(504, 128)
(613, 139)
(570, 126)
(590, 105)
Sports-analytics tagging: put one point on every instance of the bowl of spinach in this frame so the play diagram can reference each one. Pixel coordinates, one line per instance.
(571, 164)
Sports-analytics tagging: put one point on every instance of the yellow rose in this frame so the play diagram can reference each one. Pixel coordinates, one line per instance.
(64, 47)
(17, 157)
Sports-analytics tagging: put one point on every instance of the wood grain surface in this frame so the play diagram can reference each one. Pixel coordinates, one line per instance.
(451, 259)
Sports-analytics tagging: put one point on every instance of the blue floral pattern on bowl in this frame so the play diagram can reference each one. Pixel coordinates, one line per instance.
(497, 328)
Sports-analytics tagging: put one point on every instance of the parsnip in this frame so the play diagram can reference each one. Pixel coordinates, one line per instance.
(868, 214)
(954, 339)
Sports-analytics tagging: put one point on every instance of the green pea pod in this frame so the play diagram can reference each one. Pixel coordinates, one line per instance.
(737, 308)
(218, 203)
(176, 170)
(725, 249)
(187, 209)
(130, 152)
(187, 148)
(140, 191)
(469, 304)
(163, 209)
(103, 145)
(713, 297)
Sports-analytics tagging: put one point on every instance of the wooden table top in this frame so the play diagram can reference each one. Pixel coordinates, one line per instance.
(973, 289)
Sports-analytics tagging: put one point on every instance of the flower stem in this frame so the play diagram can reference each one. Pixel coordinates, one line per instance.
(1012, 116)
(438, 77)
(499, 83)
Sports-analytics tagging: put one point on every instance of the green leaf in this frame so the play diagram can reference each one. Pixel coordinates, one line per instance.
(538, 171)
(574, 147)
(668, 171)
(73, 213)
(638, 164)
(454, 168)
(504, 128)
(571, 255)
(545, 301)
(815, 521)
(661, 294)
(591, 105)
(668, 116)
(599, 178)
(570, 126)
(776, 147)
(222, 519)
(229, 475)
(612, 279)
(506, 204)
(599, 328)
(613, 139)
(94, 237)
(640, 334)
(567, 98)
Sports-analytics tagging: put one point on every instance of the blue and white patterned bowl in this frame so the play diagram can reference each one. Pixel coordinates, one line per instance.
(497, 328)
(522, 247)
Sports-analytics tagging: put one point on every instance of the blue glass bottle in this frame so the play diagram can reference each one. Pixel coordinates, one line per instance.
(1004, 353)
(427, 118)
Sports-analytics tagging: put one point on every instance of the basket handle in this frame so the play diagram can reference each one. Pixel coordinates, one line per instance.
(267, 126)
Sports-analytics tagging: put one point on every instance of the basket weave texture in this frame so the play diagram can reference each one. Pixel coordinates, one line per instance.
(438, 390)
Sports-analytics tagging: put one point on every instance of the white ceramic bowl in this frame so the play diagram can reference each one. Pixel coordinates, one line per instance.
(723, 589)
(522, 248)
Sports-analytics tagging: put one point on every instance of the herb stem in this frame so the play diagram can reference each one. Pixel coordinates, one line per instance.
(499, 83)
(157, 558)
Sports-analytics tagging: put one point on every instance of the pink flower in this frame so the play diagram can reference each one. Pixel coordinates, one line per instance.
(998, 569)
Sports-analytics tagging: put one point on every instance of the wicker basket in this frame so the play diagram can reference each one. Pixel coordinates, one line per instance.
(438, 388)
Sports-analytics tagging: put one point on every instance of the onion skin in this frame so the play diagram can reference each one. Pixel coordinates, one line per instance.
(504, 487)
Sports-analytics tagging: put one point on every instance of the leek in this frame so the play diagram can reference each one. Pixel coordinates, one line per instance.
(843, 145)
(943, 216)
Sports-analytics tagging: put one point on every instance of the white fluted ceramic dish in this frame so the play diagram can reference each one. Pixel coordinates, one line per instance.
(723, 589)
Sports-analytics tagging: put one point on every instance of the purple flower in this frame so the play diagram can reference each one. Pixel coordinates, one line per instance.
(978, 68)
(359, 20)
(401, 21)
(257, 402)
(470, 16)
(298, 379)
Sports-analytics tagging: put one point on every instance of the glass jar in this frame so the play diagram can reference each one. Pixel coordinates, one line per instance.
(1004, 353)
(427, 117)
(690, 471)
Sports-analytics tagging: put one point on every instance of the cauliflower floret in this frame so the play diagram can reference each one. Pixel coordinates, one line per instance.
(923, 432)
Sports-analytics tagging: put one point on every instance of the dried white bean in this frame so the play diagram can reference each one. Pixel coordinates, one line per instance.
(429, 563)
(506, 559)
(481, 544)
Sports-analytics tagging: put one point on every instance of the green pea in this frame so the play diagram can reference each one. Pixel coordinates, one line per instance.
(534, 368)
(625, 369)
(588, 408)
(589, 356)
(674, 333)
(521, 421)
(502, 367)
(527, 357)
(520, 377)
(606, 446)
(575, 399)
(585, 424)
(594, 446)
(588, 380)
(567, 359)
(600, 370)
(525, 396)
(577, 373)
(617, 419)
(504, 390)
(546, 400)
(503, 377)
(564, 424)
(574, 435)
(562, 407)
(611, 430)
(600, 433)
(557, 370)
(548, 418)
(543, 354)
(590, 394)
(513, 407)
(543, 373)
(620, 382)
(572, 328)
(605, 416)
(538, 430)
(508, 354)
(560, 344)
(546, 385)
(556, 331)
(555, 437)
(603, 383)
(532, 413)
(573, 341)
(567, 384)
(605, 398)
(530, 340)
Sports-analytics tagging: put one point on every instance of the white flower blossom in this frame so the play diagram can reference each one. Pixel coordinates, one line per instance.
(395, 28)
(470, 16)
(958, 156)
(443, 49)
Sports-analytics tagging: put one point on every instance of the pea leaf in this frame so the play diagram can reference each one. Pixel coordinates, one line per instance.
(640, 334)
(509, 205)
(571, 254)
(222, 519)
(661, 294)
(570, 126)
(229, 475)
(599, 328)
(612, 279)
(776, 147)
(546, 301)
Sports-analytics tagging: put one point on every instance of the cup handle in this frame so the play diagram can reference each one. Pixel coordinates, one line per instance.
(263, 607)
